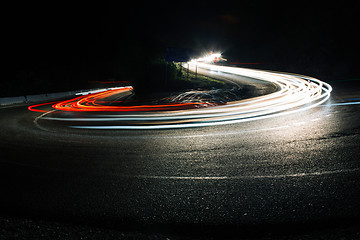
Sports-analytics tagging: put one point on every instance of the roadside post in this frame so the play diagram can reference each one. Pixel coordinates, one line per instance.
(187, 72)
(195, 72)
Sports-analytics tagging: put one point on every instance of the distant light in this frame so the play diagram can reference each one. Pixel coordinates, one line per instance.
(213, 57)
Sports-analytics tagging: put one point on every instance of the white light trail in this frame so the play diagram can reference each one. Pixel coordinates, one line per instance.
(296, 93)
(98, 90)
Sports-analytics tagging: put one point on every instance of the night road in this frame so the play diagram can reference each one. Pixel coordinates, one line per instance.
(279, 172)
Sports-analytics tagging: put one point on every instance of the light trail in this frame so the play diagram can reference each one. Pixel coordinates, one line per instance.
(295, 93)
(94, 102)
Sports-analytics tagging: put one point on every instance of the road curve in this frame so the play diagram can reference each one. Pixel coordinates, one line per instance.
(301, 167)
(294, 93)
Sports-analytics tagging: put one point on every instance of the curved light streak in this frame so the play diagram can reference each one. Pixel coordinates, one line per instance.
(94, 102)
(295, 93)
(90, 103)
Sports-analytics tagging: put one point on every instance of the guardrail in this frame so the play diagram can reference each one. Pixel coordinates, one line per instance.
(43, 97)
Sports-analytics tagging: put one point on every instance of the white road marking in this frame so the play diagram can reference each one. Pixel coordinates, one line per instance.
(37, 119)
(293, 175)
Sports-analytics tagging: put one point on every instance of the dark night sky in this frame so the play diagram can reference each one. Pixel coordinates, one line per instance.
(294, 36)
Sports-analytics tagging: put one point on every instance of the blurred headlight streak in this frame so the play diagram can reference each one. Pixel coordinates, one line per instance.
(295, 93)
(213, 57)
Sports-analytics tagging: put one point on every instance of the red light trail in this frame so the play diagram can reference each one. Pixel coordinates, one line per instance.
(95, 103)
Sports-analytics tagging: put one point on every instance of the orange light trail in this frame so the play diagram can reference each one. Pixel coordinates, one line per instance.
(95, 103)
(34, 107)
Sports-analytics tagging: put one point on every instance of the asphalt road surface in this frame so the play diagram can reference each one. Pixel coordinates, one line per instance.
(291, 174)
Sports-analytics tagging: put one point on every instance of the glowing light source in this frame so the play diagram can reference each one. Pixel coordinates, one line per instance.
(212, 57)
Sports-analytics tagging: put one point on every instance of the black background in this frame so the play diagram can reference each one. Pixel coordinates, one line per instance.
(59, 45)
